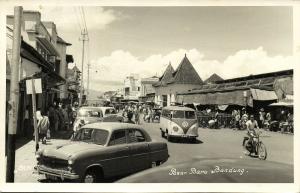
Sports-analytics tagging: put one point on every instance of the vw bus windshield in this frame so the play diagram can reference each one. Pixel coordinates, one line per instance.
(178, 114)
(190, 115)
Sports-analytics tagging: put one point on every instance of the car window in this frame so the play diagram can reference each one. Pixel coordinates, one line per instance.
(89, 113)
(118, 137)
(190, 115)
(110, 111)
(135, 136)
(100, 136)
(96, 136)
(178, 114)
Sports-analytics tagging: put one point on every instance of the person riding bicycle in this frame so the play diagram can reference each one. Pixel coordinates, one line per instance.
(251, 125)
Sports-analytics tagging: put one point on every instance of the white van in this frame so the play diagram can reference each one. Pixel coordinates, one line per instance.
(178, 121)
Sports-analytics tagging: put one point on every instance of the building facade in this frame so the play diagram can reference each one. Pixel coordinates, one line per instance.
(132, 87)
(39, 56)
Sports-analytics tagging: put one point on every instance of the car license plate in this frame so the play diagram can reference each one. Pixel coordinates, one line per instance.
(54, 178)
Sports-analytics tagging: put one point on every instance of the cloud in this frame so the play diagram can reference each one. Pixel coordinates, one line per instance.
(68, 18)
(120, 64)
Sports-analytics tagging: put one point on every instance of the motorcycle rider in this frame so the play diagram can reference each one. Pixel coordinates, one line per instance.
(251, 125)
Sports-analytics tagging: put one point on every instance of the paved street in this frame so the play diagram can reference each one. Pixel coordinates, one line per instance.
(212, 144)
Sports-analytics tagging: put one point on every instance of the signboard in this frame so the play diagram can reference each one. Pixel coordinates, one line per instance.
(37, 86)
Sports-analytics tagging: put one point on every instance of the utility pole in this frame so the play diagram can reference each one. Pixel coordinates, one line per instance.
(14, 95)
(88, 83)
(83, 39)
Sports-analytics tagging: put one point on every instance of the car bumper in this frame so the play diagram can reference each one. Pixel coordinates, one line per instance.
(183, 136)
(59, 173)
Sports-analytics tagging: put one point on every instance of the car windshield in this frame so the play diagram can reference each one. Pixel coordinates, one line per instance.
(89, 113)
(178, 114)
(190, 115)
(110, 111)
(88, 135)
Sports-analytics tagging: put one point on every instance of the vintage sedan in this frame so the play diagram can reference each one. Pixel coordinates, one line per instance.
(110, 114)
(86, 115)
(102, 150)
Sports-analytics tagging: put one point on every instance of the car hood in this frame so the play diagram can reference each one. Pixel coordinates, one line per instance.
(67, 150)
(247, 171)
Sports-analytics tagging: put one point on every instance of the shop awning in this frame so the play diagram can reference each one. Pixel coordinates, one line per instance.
(282, 104)
(263, 95)
(236, 97)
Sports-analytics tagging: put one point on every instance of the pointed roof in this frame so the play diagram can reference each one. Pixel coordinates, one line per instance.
(186, 73)
(213, 78)
(75, 69)
(168, 74)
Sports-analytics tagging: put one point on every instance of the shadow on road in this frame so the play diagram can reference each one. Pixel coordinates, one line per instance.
(187, 141)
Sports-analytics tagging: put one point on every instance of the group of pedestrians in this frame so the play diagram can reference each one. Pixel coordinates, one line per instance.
(58, 117)
(136, 113)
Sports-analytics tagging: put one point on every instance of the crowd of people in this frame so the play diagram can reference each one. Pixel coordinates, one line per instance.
(278, 120)
(135, 113)
(58, 117)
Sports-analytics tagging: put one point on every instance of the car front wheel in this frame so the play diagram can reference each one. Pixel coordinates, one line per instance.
(91, 176)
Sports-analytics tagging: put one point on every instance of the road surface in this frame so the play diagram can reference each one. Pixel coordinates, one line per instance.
(212, 143)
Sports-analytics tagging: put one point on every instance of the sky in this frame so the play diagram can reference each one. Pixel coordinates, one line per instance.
(229, 41)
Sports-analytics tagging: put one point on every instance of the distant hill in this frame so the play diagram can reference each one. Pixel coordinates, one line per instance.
(94, 94)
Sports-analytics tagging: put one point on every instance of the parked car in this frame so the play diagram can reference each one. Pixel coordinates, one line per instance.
(86, 115)
(110, 115)
(102, 150)
(217, 170)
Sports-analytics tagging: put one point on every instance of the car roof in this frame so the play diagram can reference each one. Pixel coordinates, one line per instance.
(104, 108)
(111, 126)
(255, 171)
(178, 108)
(89, 107)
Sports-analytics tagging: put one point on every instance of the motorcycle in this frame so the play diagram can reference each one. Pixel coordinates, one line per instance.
(255, 146)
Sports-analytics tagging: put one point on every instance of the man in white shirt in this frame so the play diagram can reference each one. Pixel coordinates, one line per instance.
(251, 125)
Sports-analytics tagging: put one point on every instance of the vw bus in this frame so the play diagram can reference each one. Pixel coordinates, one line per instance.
(178, 122)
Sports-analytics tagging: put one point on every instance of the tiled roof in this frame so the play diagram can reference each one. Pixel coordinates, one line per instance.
(213, 78)
(168, 74)
(186, 73)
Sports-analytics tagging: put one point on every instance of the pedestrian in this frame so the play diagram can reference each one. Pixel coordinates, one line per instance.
(267, 122)
(137, 116)
(51, 116)
(65, 117)
(262, 115)
(56, 116)
(60, 114)
(43, 127)
(129, 117)
(237, 119)
(27, 122)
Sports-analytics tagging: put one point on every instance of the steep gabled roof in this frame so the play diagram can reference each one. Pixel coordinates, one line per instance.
(168, 74)
(186, 73)
(213, 78)
(75, 69)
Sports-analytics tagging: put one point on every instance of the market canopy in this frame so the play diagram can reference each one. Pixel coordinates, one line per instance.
(282, 104)
(232, 97)
(218, 98)
(263, 95)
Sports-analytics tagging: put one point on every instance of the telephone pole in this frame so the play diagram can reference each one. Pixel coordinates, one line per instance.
(14, 95)
(88, 82)
(83, 39)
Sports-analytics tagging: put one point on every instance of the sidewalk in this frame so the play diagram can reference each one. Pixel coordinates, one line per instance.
(25, 160)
